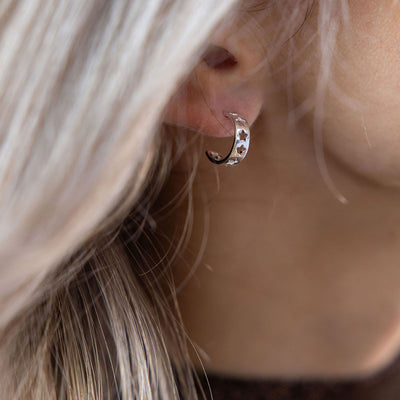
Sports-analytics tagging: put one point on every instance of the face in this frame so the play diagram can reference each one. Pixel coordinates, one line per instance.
(360, 127)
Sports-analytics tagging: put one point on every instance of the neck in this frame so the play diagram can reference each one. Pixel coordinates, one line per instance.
(292, 282)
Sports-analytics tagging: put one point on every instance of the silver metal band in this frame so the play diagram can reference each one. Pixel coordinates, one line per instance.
(240, 145)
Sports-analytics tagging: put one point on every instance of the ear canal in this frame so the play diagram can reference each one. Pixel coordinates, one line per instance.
(217, 57)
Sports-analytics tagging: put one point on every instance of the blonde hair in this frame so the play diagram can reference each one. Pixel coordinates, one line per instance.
(83, 85)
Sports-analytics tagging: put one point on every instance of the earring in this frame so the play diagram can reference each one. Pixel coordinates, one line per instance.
(240, 145)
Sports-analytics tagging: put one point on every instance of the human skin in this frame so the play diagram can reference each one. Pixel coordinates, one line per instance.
(301, 272)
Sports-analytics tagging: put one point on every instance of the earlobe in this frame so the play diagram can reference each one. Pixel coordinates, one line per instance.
(218, 84)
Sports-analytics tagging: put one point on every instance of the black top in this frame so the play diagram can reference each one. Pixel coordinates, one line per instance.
(382, 386)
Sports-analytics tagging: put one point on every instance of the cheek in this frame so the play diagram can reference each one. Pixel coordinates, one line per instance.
(367, 142)
(367, 71)
(362, 113)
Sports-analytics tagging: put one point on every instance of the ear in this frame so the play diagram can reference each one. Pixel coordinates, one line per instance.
(229, 77)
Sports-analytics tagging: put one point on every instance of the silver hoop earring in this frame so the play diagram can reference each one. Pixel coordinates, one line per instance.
(240, 145)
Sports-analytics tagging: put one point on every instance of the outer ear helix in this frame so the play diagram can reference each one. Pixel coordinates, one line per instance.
(240, 145)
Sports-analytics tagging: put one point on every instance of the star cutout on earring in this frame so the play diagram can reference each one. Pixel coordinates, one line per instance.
(243, 135)
(241, 149)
